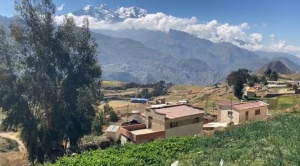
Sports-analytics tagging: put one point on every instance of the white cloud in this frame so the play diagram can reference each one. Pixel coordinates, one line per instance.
(61, 7)
(213, 30)
(272, 37)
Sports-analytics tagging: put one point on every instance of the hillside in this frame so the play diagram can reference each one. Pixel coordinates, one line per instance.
(273, 142)
(127, 60)
(277, 66)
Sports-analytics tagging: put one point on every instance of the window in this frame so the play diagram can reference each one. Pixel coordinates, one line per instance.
(257, 112)
(196, 120)
(173, 124)
(230, 113)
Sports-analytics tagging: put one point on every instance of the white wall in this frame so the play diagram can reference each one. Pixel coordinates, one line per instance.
(226, 119)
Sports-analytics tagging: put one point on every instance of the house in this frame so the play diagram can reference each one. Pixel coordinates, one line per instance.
(241, 112)
(165, 121)
(113, 132)
(250, 92)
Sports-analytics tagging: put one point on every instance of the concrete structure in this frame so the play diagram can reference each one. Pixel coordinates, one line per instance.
(113, 132)
(214, 125)
(163, 122)
(250, 92)
(160, 100)
(242, 112)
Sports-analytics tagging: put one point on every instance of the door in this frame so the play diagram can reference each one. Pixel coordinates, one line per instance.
(150, 121)
(247, 116)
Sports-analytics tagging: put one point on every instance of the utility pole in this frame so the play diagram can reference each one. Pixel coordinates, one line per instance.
(231, 113)
(127, 112)
(206, 106)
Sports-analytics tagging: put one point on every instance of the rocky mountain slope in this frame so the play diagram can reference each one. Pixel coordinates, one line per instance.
(276, 65)
(127, 60)
(140, 55)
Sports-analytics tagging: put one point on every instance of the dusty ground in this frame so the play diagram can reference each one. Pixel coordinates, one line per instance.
(13, 158)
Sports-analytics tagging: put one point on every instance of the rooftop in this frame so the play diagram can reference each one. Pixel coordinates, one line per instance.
(112, 128)
(215, 124)
(143, 131)
(248, 105)
(177, 111)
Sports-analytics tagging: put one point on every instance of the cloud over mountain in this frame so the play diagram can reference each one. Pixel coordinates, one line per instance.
(136, 18)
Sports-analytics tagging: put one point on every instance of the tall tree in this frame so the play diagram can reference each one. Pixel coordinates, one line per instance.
(241, 74)
(274, 76)
(51, 91)
(237, 79)
(161, 88)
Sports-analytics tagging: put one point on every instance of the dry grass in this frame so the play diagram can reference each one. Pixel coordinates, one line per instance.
(13, 159)
(109, 93)
(107, 83)
(294, 76)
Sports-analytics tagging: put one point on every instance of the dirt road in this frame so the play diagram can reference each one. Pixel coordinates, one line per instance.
(14, 136)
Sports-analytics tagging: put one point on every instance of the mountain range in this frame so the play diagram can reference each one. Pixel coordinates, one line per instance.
(144, 56)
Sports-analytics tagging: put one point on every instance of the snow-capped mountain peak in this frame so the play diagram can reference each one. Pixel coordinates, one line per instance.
(103, 12)
(131, 12)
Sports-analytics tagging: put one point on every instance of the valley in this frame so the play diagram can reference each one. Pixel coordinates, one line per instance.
(181, 83)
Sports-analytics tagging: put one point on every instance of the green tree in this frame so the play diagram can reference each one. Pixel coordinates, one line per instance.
(97, 124)
(48, 80)
(274, 76)
(241, 74)
(161, 88)
(107, 109)
(263, 80)
(113, 116)
(268, 72)
(145, 93)
(238, 88)
(237, 79)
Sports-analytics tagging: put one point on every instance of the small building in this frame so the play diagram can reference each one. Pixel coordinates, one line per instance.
(165, 121)
(214, 125)
(138, 100)
(250, 92)
(242, 112)
(139, 133)
(160, 100)
(113, 132)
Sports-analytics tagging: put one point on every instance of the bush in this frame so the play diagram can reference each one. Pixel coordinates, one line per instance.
(7, 145)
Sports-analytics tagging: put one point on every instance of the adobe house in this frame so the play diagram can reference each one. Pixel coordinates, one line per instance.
(241, 112)
(163, 122)
(250, 92)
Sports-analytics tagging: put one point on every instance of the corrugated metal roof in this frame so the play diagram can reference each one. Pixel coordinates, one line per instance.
(178, 111)
(112, 128)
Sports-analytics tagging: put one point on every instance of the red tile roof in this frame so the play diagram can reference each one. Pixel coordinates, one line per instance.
(178, 111)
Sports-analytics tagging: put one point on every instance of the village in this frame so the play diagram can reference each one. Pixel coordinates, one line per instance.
(161, 118)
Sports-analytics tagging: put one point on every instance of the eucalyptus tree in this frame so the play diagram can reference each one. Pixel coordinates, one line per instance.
(48, 79)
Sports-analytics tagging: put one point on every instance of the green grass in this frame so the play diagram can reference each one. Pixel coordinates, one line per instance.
(288, 101)
(273, 142)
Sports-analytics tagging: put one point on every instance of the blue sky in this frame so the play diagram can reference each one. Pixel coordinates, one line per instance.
(267, 17)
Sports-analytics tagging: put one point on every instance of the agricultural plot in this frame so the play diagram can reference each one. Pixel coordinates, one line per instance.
(107, 83)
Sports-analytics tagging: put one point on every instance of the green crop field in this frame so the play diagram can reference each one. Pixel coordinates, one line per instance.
(273, 142)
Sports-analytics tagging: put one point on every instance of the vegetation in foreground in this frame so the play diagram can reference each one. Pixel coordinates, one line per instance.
(8, 145)
(48, 80)
(273, 142)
